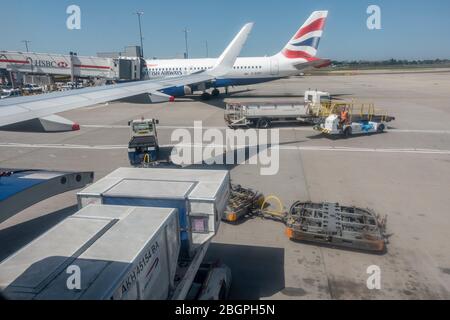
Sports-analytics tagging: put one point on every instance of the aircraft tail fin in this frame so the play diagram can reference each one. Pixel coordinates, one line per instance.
(305, 42)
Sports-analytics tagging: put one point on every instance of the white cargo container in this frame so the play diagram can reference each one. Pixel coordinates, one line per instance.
(200, 196)
(120, 253)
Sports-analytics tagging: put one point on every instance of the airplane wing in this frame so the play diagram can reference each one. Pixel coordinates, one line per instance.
(21, 109)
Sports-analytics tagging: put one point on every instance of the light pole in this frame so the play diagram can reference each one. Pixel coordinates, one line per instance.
(26, 43)
(207, 49)
(139, 14)
(186, 31)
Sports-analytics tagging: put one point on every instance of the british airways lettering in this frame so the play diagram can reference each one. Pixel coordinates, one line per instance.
(165, 73)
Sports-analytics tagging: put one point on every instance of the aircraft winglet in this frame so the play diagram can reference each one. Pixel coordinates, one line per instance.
(226, 61)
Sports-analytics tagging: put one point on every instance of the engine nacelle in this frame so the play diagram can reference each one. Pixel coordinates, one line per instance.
(178, 91)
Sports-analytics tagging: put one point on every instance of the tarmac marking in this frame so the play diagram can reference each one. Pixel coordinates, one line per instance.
(283, 148)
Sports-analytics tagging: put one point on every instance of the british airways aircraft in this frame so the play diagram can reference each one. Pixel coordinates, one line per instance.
(40, 111)
(298, 55)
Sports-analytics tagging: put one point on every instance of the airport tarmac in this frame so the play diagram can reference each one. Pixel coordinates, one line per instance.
(404, 174)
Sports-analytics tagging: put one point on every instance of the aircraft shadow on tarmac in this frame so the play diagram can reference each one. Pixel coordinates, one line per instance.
(258, 272)
(221, 163)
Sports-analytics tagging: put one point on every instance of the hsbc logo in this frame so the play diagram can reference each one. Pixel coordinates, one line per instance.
(63, 64)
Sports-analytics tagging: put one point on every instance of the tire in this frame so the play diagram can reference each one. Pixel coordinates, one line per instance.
(223, 295)
(348, 132)
(215, 93)
(381, 128)
(205, 96)
(264, 123)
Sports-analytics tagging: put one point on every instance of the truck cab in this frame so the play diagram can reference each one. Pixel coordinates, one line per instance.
(315, 98)
(143, 146)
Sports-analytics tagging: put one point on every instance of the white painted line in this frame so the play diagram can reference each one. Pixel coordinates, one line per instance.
(283, 148)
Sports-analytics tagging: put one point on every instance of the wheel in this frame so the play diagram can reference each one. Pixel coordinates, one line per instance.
(215, 92)
(205, 96)
(348, 132)
(263, 123)
(381, 128)
(223, 292)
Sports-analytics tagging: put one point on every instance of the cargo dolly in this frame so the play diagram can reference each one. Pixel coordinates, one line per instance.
(241, 203)
(330, 223)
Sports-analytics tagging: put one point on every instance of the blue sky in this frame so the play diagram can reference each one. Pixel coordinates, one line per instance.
(414, 29)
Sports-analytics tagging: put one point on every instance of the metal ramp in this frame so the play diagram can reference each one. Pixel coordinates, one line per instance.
(20, 189)
(357, 111)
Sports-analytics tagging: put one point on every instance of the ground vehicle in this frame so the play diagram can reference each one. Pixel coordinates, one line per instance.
(263, 114)
(140, 234)
(71, 86)
(143, 146)
(362, 119)
(10, 93)
(31, 88)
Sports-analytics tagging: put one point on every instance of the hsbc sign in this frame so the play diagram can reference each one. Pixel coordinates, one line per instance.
(49, 64)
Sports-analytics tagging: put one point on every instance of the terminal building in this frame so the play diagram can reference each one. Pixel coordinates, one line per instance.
(20, 68)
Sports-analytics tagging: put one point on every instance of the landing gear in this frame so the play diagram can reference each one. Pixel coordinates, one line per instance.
(215, 92)
(226, 90)
(205, 96)
(263, 123)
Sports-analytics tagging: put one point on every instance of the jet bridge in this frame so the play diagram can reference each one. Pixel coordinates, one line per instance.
(20, 189)
(118, 68)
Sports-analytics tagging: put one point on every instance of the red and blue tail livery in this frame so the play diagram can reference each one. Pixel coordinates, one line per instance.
(306, 41)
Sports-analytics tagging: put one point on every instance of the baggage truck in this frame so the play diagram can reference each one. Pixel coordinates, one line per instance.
(263, 114)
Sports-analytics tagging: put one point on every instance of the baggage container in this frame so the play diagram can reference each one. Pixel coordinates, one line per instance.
(123, 253)
(200, 196)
